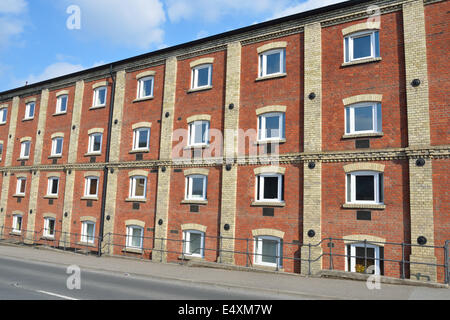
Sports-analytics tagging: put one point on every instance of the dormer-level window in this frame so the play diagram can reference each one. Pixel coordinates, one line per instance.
(362, 45)
(201, 76)
(99, 97)
(29, 110)
(272, 62)
(145, 88)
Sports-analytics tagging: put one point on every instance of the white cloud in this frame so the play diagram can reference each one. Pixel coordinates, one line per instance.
(130, 23)
(304, 6)
(210, 11)
(52, 71)
(12, 22)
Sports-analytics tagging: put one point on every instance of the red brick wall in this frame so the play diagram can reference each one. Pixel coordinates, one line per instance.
(4, 132)
(386, 77)
(392, 223)
(13, 205)
(438, 47)
(148, 111)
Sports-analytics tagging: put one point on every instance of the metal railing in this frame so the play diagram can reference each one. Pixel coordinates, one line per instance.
(334, 253)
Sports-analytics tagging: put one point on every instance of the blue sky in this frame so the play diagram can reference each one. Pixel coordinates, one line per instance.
(36, 44)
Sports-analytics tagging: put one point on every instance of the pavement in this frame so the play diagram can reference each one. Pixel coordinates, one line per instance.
(40, 273)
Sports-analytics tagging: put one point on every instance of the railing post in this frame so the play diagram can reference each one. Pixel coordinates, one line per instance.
(447, 258)
(160, 250)
(330, 244)
(365, 256)
(220, 248)
(403, 260)
(277, 258)
(246, 260)
(309, 259)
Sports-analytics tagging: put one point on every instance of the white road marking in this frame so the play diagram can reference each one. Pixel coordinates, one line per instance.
(56, 295)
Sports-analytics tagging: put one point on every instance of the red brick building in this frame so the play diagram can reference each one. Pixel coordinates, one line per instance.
(315, 141)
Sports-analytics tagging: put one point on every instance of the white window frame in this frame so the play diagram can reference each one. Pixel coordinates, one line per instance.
(352, 266)
(55, 144)
(187, 243)
(377, 196)
(351, 124)
(260, 192)
(59, 103)
(91, 143)
(189, 184)
(192, 127)
(194, 76)
(129, 237)
(262, 132)
(50, 186)
(15, 223)
(140, 87)
(23, 149)
(258, 244)
(1, 151)
(3, 115)
(96, 102)
(46, 232)
(28, 110)
(348, 45)
(133, 181)
(262, 62)
(21, 180)
(85, 237)
(136, 136)
(87, 186)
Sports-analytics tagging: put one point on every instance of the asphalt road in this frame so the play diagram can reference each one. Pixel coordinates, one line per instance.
(25, 280)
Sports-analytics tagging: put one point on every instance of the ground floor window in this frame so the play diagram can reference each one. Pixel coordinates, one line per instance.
(87, 232)
(134, 237)
(362, 257)
(49, 227)
(193, 243)
(268, 251)
(17, 223)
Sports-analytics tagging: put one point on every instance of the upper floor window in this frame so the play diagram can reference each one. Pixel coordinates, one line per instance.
(95, 143)
(362, 45)
(49, 227)
(1, 151)
(145, 87)
(365, 187)
(91, 186)
(25, 149)
(3, 115)
(196, 187)
(271, 126)
(61, 103)
(141, 139)
(57, 145)
(53, 185)
(29, 110)
(21, 184)
(268, 251)
(198, 133)
(138, 187)
(272, 62)
(269, 187)
(363, 118)
(201, 76)
(99, 97)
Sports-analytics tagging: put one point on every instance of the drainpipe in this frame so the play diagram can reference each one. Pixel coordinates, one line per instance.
(105, 169)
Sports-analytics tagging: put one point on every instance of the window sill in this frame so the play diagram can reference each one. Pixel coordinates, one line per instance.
(48, 238)
(2, 123)
(362, 61)
(92, 154)
(23, 159)
(85, 244)
(199, 89)
(15, 233)
(139, 151)
(271, 76)
(95, 198)
(136, 200)
(190, 257)
(18, 195)
(363, 135)
(55, 157)
(268, 204)
(263, 142)
(192, 201)
(27, 119)
(373, 206)
(50, 197)
(200, 146)
(132, 250)
(97, 107)
(59, 114)
(143, 99)
(266, 267)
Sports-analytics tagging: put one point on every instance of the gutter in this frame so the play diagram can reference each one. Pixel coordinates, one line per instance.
(105, 169)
